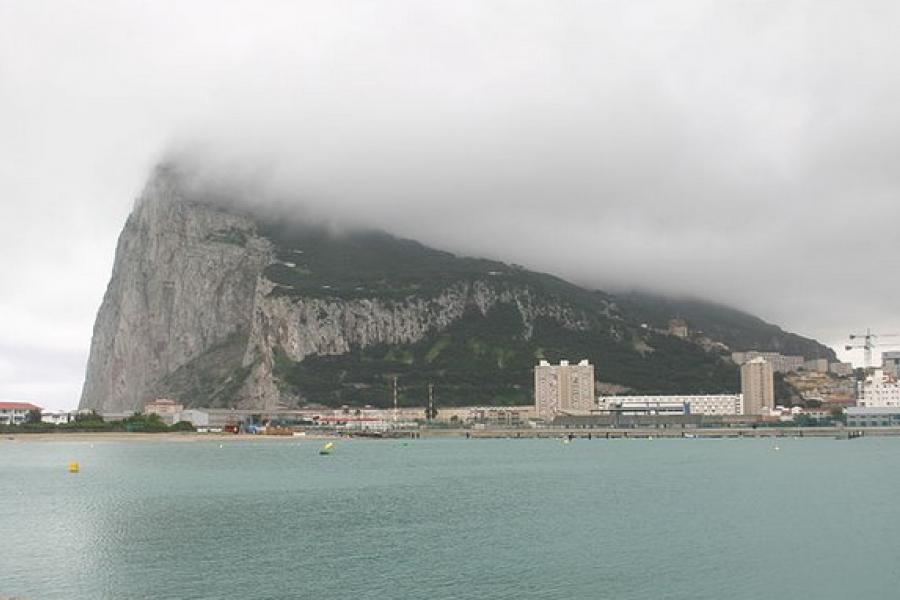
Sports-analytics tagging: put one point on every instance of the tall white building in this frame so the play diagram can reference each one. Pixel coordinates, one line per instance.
(563, 388)
(758, 386)
(879, 390)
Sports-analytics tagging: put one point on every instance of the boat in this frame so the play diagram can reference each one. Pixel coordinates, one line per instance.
(326, 449)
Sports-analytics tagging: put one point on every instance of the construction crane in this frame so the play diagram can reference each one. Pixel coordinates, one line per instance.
(867, 344)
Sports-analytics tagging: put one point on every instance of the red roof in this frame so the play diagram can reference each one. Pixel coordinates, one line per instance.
(18, 406)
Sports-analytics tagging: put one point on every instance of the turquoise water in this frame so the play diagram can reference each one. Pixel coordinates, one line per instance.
(448, 519)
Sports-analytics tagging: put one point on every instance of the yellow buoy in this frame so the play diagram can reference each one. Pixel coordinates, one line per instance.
(74, 467)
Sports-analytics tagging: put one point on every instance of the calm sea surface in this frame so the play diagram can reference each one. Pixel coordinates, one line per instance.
(448, 519)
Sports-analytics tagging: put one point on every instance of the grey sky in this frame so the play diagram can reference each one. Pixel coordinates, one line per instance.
(742, 151)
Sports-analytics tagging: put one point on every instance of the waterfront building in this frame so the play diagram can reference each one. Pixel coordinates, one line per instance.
(873, 416)
(890, 363)
(15, 413)
(644, 405)
(500, 416)
(58, 417)
(563, 388)
(879, 390)
(758, 387)
(694, 404)
(780, 363)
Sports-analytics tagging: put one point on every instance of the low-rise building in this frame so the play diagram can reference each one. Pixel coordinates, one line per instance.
(873, 416)
(500, 416)
(169, 411)
(16, 413)
(694, 404)
(58, 417)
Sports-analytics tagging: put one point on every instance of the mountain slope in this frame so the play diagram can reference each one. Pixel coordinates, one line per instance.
(224, 306)
(734, 328)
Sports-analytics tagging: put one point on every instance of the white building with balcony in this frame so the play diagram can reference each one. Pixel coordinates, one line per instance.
(15, 413)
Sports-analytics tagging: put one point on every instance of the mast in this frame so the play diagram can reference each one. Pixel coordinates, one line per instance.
(396, 406)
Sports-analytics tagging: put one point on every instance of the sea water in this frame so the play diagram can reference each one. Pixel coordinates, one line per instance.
(454, 518)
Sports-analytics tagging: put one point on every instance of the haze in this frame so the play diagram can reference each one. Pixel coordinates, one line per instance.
(743, 152)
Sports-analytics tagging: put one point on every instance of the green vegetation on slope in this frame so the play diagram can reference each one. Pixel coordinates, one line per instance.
(213, 379)
(485, 359)
(734, 328)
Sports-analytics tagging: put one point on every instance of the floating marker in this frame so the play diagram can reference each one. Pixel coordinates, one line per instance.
(74, 467)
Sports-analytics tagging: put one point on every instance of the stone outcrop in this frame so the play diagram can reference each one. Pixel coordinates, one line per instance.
(183, 281)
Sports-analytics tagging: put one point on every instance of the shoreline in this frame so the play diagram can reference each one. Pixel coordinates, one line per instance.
(495, 433)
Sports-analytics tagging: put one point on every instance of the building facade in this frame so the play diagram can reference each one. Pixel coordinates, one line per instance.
(169, 411)
(697, 404)
(819, 365)
(15, 413)
(890, 363)
(780, 363)
(563, 388)
(879, 390)
(58, 417)
(758, 387)
(877, 416)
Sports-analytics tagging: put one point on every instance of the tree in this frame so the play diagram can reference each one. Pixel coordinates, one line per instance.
(33, 416)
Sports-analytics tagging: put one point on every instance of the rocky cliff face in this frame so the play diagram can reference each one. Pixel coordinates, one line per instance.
(183, 281)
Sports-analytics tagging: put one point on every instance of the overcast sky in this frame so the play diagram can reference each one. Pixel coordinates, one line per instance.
(745, 152)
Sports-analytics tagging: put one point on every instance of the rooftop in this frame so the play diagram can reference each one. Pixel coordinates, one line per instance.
(18, 406)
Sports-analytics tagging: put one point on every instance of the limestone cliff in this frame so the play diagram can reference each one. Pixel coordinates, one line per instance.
(183, 281)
